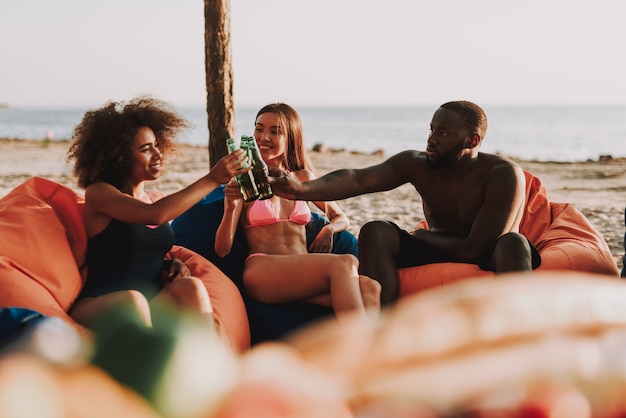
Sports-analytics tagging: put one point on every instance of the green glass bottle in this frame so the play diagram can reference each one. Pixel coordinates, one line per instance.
(259, 168)
(246, 180)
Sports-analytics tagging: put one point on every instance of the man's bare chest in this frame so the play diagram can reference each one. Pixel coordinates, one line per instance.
(451, 206)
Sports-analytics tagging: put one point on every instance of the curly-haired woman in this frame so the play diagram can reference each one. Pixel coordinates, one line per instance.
(117, 149)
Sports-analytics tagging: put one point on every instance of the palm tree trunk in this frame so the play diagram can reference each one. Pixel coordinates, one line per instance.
(219, 77)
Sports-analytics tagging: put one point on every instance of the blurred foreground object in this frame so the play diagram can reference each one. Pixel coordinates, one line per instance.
(485, 345)
(33, 387)
(182, 367)
(519, 345)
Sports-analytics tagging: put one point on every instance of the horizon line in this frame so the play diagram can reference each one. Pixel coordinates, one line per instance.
(8, 106)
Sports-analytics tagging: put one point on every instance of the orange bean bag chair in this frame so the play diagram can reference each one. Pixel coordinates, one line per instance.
(563, 236)
(43, 248)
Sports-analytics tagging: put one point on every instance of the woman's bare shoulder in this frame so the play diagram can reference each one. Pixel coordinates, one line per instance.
(99, 188)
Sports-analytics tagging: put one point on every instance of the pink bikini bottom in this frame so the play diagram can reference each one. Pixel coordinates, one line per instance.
(254, 255)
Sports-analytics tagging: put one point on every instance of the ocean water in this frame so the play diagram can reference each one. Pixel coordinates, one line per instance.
(542, 133)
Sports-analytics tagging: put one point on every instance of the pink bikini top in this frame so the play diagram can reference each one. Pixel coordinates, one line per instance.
(263, 212)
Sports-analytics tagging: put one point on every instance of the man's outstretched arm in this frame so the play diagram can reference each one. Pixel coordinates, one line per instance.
(344, 183)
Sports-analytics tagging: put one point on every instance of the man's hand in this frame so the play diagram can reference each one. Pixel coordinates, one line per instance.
(283, 184)
(277, 172)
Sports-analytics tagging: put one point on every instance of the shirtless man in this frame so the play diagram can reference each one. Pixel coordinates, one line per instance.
(473, 202)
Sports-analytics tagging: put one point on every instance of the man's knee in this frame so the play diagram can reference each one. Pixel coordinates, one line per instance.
(512, 252)
(512, 243)
(378, 233)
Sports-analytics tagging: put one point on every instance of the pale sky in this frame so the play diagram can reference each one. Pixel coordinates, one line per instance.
(317, 53)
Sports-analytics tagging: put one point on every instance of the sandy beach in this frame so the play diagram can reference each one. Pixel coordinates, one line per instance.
(596, 188)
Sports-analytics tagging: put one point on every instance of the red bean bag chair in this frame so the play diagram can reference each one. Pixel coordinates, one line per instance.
(43, 252)
(563, 236)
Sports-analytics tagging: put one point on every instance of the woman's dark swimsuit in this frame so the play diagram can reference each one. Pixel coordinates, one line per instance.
(127, 256)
